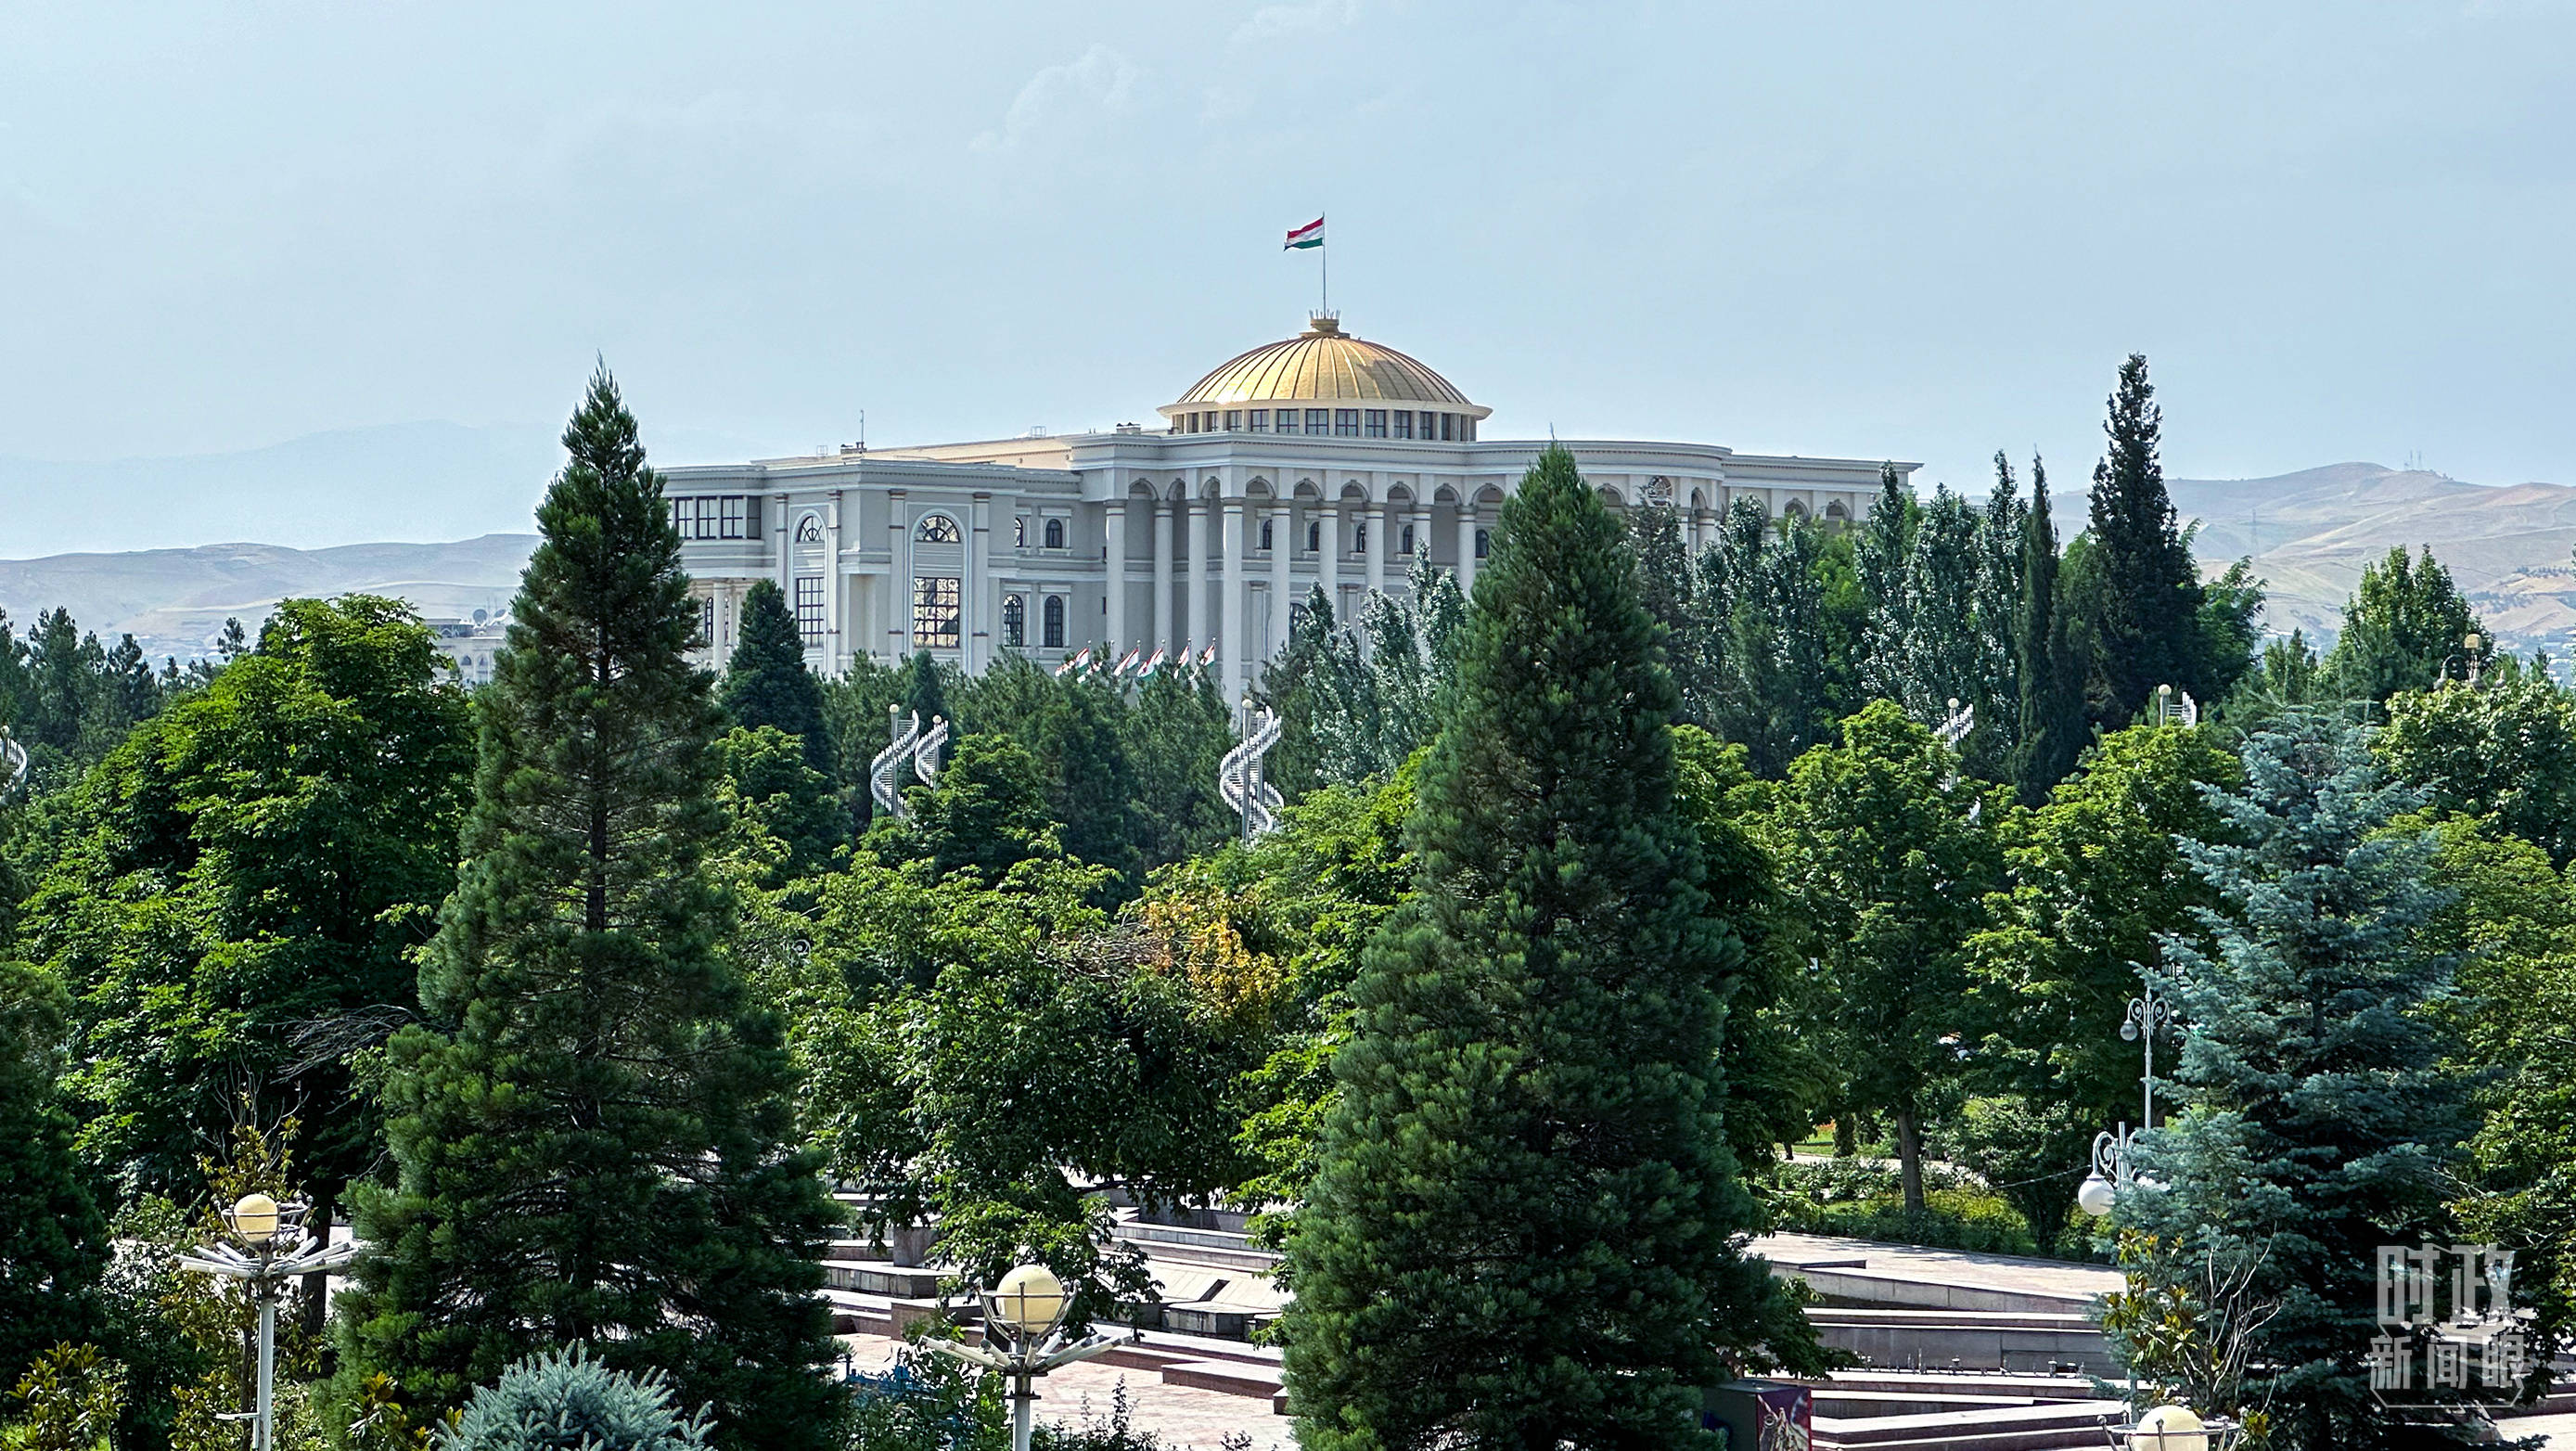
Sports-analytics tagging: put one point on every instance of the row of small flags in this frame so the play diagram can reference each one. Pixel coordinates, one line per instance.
(1082, 661)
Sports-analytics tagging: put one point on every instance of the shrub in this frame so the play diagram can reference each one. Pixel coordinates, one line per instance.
(1860, 1199)
(73, 1396)
(565, 1401)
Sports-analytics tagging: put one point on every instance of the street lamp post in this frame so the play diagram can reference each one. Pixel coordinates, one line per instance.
(2470, 659)
(1027, 1308)
(260, 1223)
(2113, 1168)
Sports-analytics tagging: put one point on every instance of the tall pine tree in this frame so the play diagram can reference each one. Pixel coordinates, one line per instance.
(766, 682)
(2146, 604)
(53, 1240)
(1523, 1230)
(591, 1133)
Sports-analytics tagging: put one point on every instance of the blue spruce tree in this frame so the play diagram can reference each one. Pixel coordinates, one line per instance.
(2318, 1119)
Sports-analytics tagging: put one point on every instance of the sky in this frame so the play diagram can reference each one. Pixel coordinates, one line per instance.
(2338, 230)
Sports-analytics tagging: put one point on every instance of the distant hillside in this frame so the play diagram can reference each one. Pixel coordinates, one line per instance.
(2312, 532)
(175, 601)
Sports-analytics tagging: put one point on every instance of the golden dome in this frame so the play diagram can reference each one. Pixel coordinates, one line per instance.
(1323, 363)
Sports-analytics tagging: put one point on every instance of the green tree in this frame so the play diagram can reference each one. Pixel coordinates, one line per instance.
(1879, 555)
(2319, 1120)
(987, 814)
(1175, 731)
(241, 884)
(53, 1240)
(1524, 1225)
(786, 825)
(2003, 530)
(2142, 614)
(2051, 731)
(591, 1133)
(766, 682)
(2403, 629)
(1669, 587)
(2093, 880)
(2506, 749)
(1888, 852)
(924, 691)
(566, 1401)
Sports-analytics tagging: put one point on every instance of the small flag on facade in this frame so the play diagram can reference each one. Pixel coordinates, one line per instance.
(1127, 662)
(1309, 235)
(1154, 663)
(1210, 657)
(1064, 665)
(1082, 660)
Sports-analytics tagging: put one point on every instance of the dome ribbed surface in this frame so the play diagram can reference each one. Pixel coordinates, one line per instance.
(1323, 363)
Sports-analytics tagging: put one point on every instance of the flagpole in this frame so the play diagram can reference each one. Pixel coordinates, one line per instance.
(1324, 260)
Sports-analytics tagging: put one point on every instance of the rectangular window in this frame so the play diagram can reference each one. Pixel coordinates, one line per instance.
(1376, 423)
(1319, 420)
(934, 612)
(1234, 420)
(1261, 420)
(706, 621)
(1448, 423)
(1346, 422)
(1404, 423)
(809, 608)
(1466, 428)
(733, 516)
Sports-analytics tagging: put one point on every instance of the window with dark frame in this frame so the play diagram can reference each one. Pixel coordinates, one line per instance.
(1055, 534)
(935, 611)
(1404, 541)
(1261, 420)
(1315, 537)
(1015, 622)
(1346, 422)
(1404, 423)
(1265, 533)
(1374, 422)
(1484, 540)
(1319, 420)
(936, 529)
(809, 609)
(1054, 621)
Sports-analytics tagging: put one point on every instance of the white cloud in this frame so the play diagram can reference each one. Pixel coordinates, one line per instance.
(1100, 78)
(1272, 22)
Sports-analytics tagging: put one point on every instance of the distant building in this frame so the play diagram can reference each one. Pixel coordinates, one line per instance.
(1322, 460)
(469, 644)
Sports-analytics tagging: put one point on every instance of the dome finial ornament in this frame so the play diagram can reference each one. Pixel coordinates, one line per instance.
(1323, 324)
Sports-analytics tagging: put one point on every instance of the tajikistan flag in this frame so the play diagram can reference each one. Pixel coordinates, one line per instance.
(1309, 235)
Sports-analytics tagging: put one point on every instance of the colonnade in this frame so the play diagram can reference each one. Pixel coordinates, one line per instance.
(1222, 534)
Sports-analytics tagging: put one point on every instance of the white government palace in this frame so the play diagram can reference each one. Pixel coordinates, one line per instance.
(1322, 460)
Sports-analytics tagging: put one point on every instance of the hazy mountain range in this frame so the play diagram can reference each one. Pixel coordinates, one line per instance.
(2309, 533)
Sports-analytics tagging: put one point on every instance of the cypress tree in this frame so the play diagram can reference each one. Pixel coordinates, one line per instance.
(925, 690)
(591, 1131)
(1523, 1226)
(2052, 688)
(1879, 556)
(766, 682)
(1669, 588)
(2146, 628)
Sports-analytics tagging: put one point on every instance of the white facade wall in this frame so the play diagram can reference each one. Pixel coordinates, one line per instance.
(852, 539)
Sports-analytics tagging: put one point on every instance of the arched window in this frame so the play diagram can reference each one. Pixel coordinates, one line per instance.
(1484, 541)
(1265, 534)
(1315, 537)
(1015, 621)
(1054, 620)
(1020, 531)
(1405, 541)
(1055, 534)
(809, 530)
(1359, 539)
(936, 529)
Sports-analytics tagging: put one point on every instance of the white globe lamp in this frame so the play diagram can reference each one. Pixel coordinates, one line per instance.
(2095, 1195)
(1030, 1302)
(2171, 1428)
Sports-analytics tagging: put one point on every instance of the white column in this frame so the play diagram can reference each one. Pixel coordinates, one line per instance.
(1466, 546)
(1283, 548)
(835, 658)
(1162, 575)
(1199, 636)
(898, 578)
(1373, 558)
(786, 550)
(976, 607)
(1328, 559)
(1230, 640)
(1116, 515)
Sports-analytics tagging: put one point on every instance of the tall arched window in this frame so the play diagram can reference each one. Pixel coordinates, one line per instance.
(936, 529)
(1315, 537)
(1484, 540)
(1265, 534)
(1020, 531)
(1055, 534)
(1406, 541)
(1015, 622)
(1054, 622)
